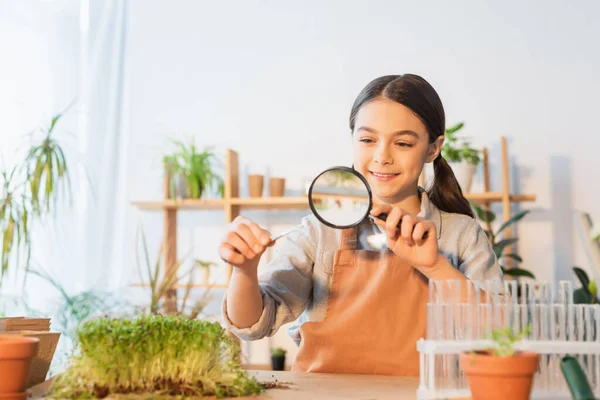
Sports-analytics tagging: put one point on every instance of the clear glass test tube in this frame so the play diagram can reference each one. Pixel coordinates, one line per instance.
(565, 292)
(467, 330)
(544, 325)
(436, 291)
(580, 328)
(485, 322)
(588, 317)
(559, 315)
(597, 339)
(571, 311)
(544, 290)
(431, 321)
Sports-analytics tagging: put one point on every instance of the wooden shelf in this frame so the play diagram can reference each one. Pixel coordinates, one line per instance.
(291, 202)
(182, 286)
(202, 204)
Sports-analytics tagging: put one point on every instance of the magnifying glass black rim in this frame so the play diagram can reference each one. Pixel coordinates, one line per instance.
(316, 213)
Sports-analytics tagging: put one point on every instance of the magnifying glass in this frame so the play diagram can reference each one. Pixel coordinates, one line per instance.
(341, 198)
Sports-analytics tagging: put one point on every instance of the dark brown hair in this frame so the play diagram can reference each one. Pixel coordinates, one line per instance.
(418, 95)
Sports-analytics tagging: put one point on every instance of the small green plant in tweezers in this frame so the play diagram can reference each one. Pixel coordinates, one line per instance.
(154, 356)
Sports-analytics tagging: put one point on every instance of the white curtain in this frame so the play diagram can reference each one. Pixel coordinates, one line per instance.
(55, 52)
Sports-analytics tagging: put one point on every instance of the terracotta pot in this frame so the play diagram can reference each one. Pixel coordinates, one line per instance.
(499, 378)
(16, 354)
(255, 185)
(276, 187)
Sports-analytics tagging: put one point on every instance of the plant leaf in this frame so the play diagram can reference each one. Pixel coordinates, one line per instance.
(501, 245)
(519, 272)
(582, 276)
(515, 257)
(455, 128)
(513, 220)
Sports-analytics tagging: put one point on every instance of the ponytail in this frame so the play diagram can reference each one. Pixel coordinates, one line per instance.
(445, 192)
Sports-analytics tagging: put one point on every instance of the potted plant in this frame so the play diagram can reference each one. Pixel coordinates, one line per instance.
(499, 245)
(192, 171)
(16, 355)
(154, 355)
(501, 372)
(278, 359)
(462, 158)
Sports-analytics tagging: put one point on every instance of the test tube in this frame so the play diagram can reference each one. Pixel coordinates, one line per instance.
(571, 322)
(472, 293)
(565, 292)
(544, 335)
(588, 318)
(436, 291)
(544, 293)
(597, 339)
(467, 327)
(580, 327)
(560, 318)
(431, 320)
(485, 325)
(450, 377)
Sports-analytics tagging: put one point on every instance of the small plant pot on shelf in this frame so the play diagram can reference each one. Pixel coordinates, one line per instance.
(464, 172)
(255, 185)
(493, 377)
(276, 187)
(16, 355)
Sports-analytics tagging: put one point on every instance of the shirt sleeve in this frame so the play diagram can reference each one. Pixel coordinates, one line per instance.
(477, 260)
(286, 285)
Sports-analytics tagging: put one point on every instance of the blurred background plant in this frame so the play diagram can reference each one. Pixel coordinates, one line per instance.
(499, 244)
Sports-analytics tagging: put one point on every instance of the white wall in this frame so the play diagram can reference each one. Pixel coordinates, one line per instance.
(275, 81)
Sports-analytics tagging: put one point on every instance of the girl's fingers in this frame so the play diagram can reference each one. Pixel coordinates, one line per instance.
(229, 255)
(381, 208)
(247, 235)
(235, 241)
(406, 230)
(421, 228)
(391, 224)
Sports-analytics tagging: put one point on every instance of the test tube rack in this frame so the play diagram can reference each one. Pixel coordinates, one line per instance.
(456, 324)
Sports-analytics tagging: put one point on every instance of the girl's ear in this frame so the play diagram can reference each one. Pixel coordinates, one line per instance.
(434, 149)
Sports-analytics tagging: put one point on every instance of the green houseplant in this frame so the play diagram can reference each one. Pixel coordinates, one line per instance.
(156, 356)
(192, 171)
(499, 245)
(31, 189)
(278, 359)
(500, 372)
(462, 158)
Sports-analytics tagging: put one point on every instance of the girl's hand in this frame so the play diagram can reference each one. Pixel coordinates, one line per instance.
(407, 241)
(244, 243)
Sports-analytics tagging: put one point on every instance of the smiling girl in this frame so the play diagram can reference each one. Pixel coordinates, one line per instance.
(358, 309)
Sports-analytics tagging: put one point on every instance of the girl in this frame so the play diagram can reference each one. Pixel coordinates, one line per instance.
(359, 310)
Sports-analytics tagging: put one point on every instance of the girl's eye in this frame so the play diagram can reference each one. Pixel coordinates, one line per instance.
(366, 140)
(403, 144)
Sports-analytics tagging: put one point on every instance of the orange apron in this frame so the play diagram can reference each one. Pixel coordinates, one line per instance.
(376, 313)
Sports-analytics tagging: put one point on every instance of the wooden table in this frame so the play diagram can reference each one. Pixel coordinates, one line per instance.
(319, 386)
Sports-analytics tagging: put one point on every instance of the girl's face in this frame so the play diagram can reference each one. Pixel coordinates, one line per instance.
(391, 145)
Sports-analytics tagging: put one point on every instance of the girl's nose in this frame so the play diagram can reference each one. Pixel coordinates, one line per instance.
(383, 155)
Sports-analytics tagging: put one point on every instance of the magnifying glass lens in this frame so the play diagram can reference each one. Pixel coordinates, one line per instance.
(340, 197)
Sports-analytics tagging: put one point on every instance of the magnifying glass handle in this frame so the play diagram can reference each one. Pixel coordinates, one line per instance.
(383, 217)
